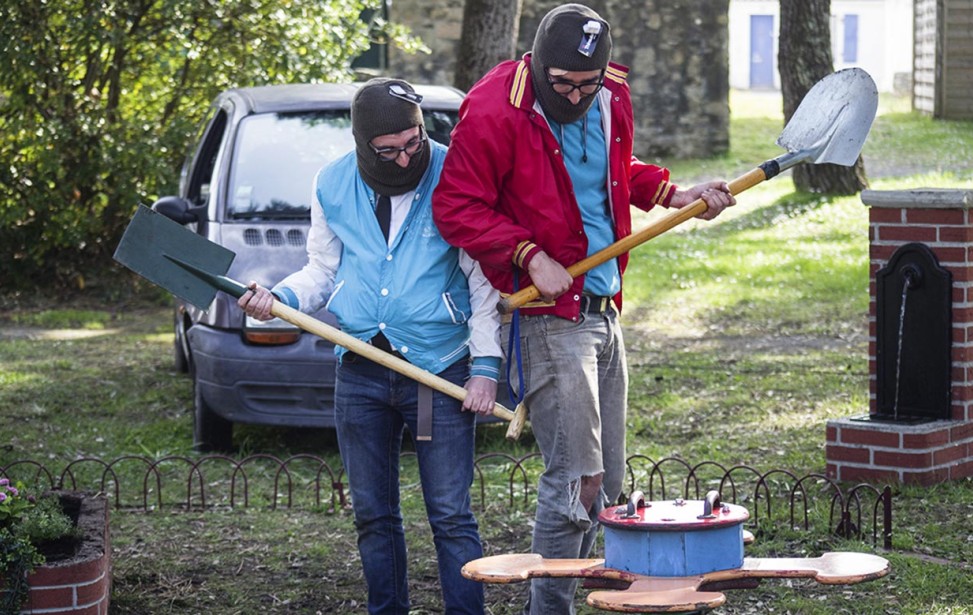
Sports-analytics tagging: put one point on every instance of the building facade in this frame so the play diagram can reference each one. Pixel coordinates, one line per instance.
(875, 35)
(944, 58)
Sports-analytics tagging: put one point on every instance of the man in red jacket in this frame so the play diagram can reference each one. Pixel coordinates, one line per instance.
(539, 175)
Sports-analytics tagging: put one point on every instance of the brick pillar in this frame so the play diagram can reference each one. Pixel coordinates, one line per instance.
(940, 450)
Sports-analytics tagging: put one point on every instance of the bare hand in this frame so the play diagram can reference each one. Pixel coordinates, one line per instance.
(481, 395)
(715, 193)
(256, 302)
(550, 278)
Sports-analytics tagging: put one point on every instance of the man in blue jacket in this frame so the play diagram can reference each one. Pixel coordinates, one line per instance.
(378, 263)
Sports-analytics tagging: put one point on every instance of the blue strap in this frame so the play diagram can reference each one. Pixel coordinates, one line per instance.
(514, 351)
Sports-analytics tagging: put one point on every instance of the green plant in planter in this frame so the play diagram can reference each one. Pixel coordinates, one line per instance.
(26, 523)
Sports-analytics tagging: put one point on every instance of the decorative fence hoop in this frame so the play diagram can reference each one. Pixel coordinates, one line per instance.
(845, 519)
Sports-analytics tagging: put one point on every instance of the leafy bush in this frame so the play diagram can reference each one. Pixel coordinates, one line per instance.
(98, 102)
(26, 523)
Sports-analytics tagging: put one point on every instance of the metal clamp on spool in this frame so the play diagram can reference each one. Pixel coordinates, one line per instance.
(636, 502)
(710, 504)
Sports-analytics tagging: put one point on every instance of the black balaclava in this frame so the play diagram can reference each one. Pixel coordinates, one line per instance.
(562, 42)
(375, 111)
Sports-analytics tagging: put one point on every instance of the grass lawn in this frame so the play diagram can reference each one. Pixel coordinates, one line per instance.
(744, 335)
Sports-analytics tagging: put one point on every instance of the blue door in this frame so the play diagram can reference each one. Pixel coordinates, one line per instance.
(761, 51)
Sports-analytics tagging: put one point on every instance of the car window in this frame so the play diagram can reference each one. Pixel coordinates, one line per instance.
(439, 124)
(202, 171)
(277, 156)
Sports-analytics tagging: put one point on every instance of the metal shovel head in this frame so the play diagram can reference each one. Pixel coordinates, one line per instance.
(831, 123)
(153, 245)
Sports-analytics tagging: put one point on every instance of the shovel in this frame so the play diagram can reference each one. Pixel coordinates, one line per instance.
(829, 126)
(192, 268)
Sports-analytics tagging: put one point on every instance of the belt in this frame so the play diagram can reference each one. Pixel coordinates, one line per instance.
(424, 401)
(382, 343)
(595, 304)
(379, 341)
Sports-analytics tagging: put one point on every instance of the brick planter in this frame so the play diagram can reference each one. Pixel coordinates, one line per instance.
(940, 450)
(80, 585)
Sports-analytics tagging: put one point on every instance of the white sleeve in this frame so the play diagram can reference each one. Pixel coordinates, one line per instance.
(485, 320)
(311, 286)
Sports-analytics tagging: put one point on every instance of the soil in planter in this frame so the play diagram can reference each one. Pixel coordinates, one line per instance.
(66, 547)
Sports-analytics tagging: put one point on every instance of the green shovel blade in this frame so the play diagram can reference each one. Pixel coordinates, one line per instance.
(173, 257)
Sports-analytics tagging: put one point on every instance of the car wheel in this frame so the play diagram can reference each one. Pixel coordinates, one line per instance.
(211, 432)
(180, 349)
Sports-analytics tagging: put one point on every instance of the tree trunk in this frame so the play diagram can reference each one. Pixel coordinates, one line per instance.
(488, 38)
(804, 59)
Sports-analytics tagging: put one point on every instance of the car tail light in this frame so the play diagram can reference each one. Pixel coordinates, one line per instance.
(275, 332)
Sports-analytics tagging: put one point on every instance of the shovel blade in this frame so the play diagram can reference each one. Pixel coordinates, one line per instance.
(153, 245)
(832, 121)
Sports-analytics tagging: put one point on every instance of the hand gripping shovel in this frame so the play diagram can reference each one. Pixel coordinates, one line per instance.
(830, 125)
(191, 267)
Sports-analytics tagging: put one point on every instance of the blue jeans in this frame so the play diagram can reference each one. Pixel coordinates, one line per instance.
(577, 388)
(372, 406)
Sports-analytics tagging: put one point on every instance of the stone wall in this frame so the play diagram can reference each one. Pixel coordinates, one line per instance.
(439, 23)
(676, 51)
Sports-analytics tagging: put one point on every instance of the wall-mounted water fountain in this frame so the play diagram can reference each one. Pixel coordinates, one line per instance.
(919, 426)
(913, 337)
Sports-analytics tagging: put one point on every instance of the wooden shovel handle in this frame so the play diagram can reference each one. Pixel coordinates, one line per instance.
(336, 336)
(672, 218)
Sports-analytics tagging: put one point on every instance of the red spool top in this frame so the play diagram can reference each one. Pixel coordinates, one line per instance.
(673, 515)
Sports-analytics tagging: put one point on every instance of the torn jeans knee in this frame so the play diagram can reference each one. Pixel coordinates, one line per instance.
(586, 499)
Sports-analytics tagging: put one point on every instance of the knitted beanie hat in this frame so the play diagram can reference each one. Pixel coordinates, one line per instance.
(572, 37)
(385, 106)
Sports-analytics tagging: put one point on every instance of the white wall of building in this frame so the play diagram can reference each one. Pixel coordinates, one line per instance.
(884, 38)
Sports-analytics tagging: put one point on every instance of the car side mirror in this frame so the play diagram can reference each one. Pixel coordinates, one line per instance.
(178, 209)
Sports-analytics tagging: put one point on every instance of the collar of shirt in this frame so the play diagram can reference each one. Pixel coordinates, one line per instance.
(401, 204)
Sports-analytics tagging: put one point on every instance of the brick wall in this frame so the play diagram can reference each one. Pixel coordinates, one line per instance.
(930, 452)
(80, 586)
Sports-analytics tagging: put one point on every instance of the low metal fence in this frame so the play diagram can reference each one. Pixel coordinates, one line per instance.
(218, 481)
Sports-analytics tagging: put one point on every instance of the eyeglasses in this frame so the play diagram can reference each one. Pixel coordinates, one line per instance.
(391, 154)
(396, 90)
(564, 87)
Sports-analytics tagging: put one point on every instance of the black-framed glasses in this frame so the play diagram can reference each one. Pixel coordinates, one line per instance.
(565, 87)
(391, 154)
(396, 90)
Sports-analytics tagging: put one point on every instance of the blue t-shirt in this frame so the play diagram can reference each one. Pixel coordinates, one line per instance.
(586, 158)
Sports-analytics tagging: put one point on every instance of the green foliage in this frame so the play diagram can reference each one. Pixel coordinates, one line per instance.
(99, 100)
(25, 522)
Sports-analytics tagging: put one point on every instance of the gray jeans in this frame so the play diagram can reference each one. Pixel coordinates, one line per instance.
(577, 387)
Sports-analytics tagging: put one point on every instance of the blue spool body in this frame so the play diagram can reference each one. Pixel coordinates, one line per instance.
(674, 553)
(674, 538)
